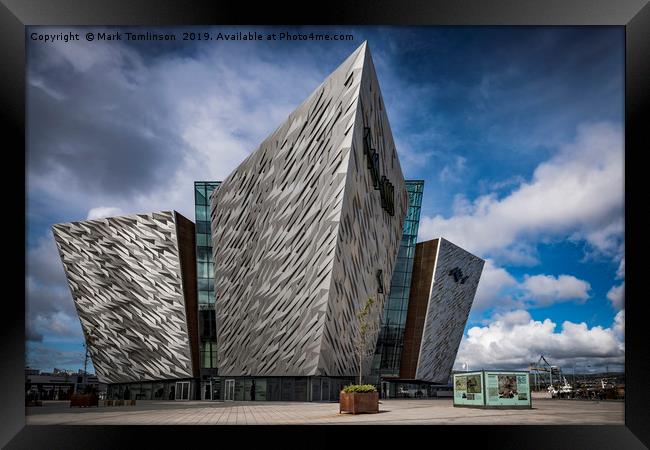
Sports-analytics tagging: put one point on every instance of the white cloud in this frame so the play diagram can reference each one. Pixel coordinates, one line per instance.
(547, 289)
(514, 340)
(577, 194)
(498, 289)
(58, 326)
(513, 181)
(620, 272)
(616, 295)
(619, 325)
(452, 172)
(492, 287)
(461, 205)
(409, 159)
(103, 211)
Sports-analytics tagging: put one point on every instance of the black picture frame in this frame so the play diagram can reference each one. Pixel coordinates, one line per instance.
(634, 15)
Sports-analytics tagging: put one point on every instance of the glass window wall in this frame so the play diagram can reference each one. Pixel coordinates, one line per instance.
(205, 272)
(388, 351)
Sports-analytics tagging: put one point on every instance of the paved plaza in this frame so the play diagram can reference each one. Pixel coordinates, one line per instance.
(397, 412)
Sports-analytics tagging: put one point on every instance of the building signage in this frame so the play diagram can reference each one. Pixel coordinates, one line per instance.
(458, 275)
(386, 188)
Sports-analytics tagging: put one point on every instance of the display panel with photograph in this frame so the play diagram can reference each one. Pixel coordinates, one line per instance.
(468, 389)
(507, 389)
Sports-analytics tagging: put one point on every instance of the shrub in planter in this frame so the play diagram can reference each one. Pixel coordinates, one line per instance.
(359, 398)
(361, 388)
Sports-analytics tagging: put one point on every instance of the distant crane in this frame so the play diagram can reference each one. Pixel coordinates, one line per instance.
(543, 371)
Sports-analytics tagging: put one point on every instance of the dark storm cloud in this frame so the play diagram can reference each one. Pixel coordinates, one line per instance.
(49, 309)
(86, 122)
(33, 336)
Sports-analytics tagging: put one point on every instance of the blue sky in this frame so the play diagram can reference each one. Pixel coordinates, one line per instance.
(517, 132)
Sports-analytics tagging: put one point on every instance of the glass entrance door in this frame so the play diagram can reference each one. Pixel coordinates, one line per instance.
(182, 390)
(216, 388)
(230, 390)
(385, 389)
(206, 390)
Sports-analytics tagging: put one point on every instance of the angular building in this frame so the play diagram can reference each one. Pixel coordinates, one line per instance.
(444, 282)
(445, 279)
(306, 229)
(133, 282)
(258, 301)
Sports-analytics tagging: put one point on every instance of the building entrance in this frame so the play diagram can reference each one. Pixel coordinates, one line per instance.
(230, 390)
(216, 388)
(206, 390)
(182, 390)
(211, 389)
(385, 389)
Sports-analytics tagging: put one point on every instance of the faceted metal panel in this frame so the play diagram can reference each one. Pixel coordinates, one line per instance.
(126, 280)
(301, 236)
(456, 276)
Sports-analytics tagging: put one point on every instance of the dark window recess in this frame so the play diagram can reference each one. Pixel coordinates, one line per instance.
(208, 325)
(379, 181)
(374, 169)
(387, 191)
(349, 79)
(380, 283)
(366, 140)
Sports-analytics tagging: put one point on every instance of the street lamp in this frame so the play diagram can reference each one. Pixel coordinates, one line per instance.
(89, 340)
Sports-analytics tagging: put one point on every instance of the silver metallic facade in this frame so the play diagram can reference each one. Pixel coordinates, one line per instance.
(126, 280)
(455, 279)
(301, 236)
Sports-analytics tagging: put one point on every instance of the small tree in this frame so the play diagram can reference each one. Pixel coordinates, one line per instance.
(367, 328)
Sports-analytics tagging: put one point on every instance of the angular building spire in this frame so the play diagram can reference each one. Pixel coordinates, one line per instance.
(306, 229)
(133, 282)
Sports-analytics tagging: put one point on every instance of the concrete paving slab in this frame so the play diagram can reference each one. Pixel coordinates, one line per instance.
(435, 411)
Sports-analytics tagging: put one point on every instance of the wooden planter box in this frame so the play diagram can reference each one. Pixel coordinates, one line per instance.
(359, 402)
(84, 400)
